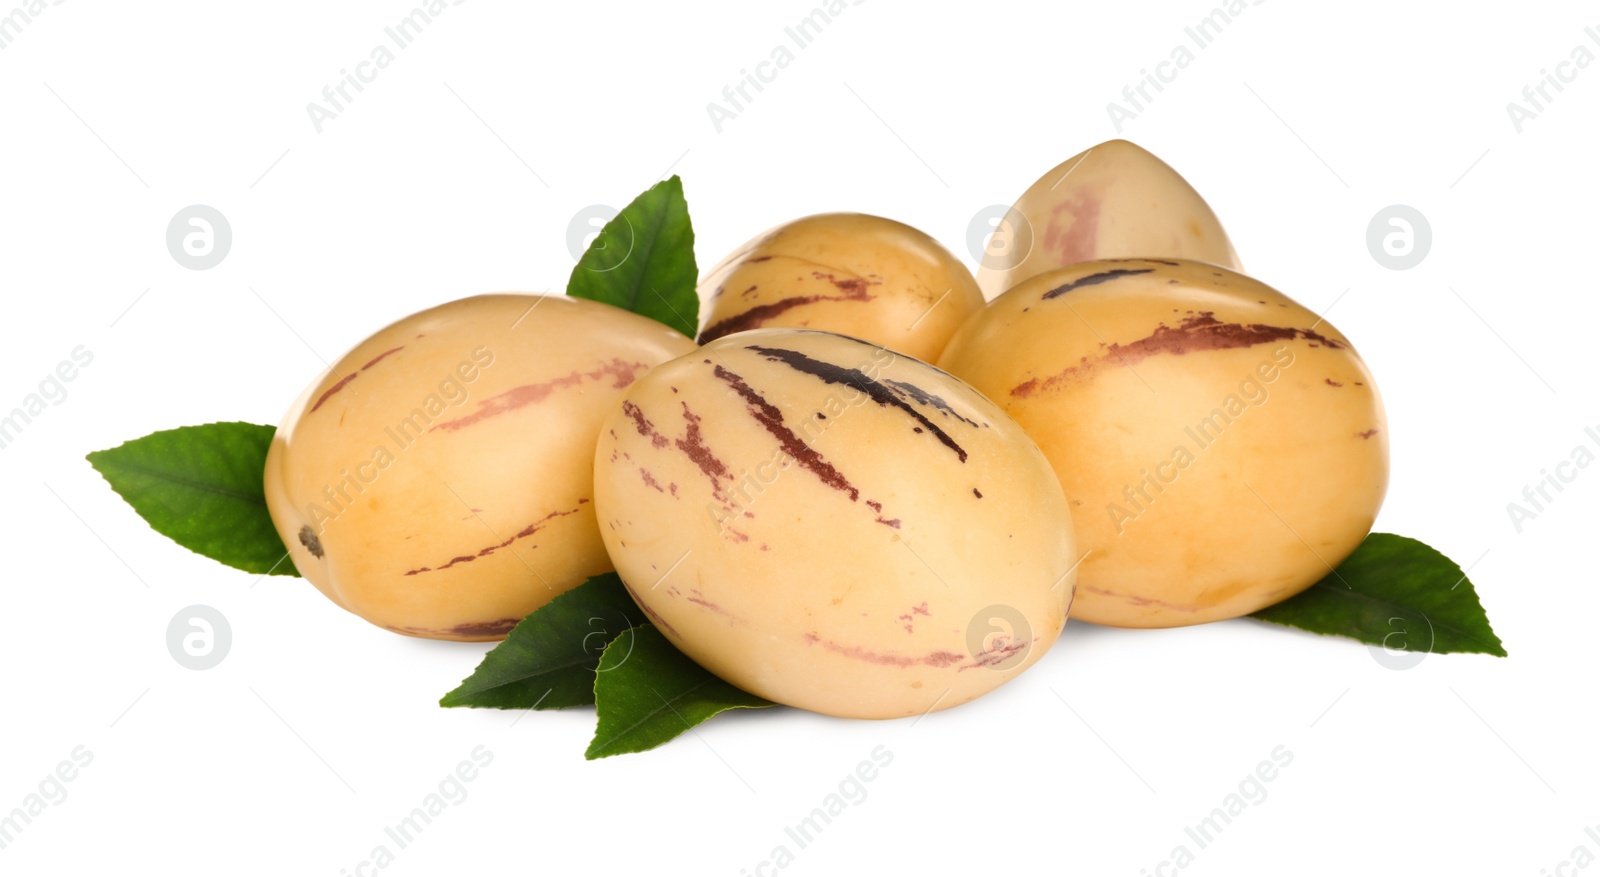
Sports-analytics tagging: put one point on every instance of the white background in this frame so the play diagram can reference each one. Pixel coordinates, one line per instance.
(457, 172)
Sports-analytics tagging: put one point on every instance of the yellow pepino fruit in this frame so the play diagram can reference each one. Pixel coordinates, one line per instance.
(864, 276)
(1115, 200)
(1223, 448)
(831, 526)
(437, 481)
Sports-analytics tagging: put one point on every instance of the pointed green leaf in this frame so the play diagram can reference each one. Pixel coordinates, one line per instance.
(548, 660)
(643, 260)
(201, 487)
(647, 692)
(1394, 592)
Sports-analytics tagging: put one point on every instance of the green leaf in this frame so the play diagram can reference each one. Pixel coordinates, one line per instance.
(643, 260)
(1398, 593)
(647, 692)
(201, 487)
(548, 660)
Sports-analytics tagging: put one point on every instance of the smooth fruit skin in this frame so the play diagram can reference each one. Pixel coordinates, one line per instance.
(437, 481)
(1223, 448)
(834, 527)
(864, 276)
(1113, 201)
